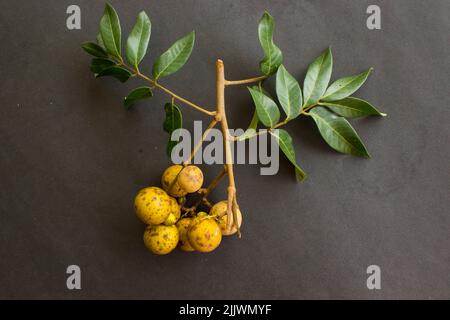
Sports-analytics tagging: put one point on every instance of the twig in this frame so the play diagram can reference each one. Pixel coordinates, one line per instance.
(169, 92)
(303, 112)
(309, 108)
(280, 124)
(215, 182)
(206, 191)
(244, 81)
(221, 115)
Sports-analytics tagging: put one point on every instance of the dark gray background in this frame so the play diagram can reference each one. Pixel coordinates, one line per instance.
(72, 159)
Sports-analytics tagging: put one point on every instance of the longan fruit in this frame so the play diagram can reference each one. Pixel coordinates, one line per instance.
(190, 178)
(152, 205)
(219, 210)
(204, 234)
(169, 175)
(161, 239)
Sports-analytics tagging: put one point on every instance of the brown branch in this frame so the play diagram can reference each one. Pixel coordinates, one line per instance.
(136, 72)
(193, 105)
(214, 182)
(221, 116)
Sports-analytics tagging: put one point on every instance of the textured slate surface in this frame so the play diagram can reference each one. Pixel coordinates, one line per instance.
(72, 159)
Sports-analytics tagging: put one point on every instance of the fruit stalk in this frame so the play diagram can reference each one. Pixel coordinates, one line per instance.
(206, 191)
(221, 116)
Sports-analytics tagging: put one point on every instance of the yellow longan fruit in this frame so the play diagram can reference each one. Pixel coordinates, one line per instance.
(169, 175)
(183, 227)
(219, 210)
(204, 234)
(152, 205)
(161, 239)
(190, 179)
(175, 212)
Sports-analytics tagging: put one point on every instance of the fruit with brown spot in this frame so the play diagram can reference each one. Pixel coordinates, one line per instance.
(161, 239)
(204, 233)
(190, 179)
(175, 212)
(183, 227)
(152, 205)
(167, 179)
(219, 210)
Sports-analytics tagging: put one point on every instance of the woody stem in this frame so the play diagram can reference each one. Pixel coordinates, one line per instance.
(221, 116)
(154, 82)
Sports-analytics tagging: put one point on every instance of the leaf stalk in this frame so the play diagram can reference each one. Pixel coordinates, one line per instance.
(244, 81)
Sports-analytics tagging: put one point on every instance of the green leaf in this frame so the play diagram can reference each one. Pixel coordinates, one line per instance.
(175, 57)
(173, 121)
(285, 142)
(272, 54)
(100, 64)
(352, 107)
(100, 41)
(94, 49)
(317, 78)
(117, 72)
(289, 93)
(110, 31)
(344, 87)
(261, 89)
(266, 108)
(137, 94)
(138, 39)
(338, 132)
(251, 130)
